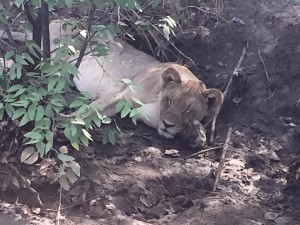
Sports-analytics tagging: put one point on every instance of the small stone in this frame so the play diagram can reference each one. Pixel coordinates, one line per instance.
(273, 156)
(275, 146)
(172, 152)
(36, 211)
(283, 220)
(271, 215)
(138, 159)
(110, 206)
(93, 202)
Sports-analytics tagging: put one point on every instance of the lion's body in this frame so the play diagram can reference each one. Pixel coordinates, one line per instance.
(172, 95)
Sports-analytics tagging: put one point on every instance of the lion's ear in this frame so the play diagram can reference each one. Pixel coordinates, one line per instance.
(214, 99)
(170, 76)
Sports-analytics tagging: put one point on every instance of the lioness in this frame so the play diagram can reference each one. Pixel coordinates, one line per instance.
(172, 95)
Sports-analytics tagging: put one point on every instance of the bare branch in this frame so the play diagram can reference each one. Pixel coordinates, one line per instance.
(85, 44)
(45, 29)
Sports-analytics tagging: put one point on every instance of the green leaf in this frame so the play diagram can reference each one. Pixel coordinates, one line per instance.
(34, 135)
(97, 121)
(60, 85)
(64, 182)
(75, 145)
(37, 3)
(56, 102)
(33, 48)
(73, 130)
(78, 121)
(67, 133)
(75, 167)
(13, 72)
(133, 113)
(52, 82)
(82, 109)
(126, 110)
(40, 146)
(15, 88)
(9, 54)
(48, 147)
(69, 3)
(24, 120)
(18, 70)
(1, 113)
(40, 113)
(20, 60)
(9, 109)
(112, 136)
(120, 105)
(18, 3)
(134, 120)
(137, 101)
(32, 110)
(49, 136)
(155, 3)
(76, 103)
(65, 158)
(28, 58)
(18, 113)
(71, 176)
(126, 81)
(84, 140)
(19, 92)
(21, 103)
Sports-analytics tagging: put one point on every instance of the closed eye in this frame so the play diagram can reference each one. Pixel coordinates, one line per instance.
(169, 101)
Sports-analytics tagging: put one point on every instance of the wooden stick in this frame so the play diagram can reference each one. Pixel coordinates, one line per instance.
(263, 63)
(203, 151)
(234, 74)
(219, 170)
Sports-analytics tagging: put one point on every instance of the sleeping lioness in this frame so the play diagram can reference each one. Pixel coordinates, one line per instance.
(172, 95)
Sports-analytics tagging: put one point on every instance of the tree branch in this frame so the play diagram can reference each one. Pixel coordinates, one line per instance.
(45, 29)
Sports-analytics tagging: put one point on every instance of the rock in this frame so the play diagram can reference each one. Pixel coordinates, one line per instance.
(271, 215)
(283, 220)
(172, 153)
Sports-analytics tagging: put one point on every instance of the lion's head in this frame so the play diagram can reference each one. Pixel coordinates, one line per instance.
(183, 102)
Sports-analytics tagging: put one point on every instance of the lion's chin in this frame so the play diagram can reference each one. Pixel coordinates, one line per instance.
(165, 134)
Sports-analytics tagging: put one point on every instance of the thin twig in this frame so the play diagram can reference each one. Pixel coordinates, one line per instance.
(225, 148)
(85, 44)
(235, 73)
(263, 63)
(177, 49)
(9, 36)
(203, 151)
(58, 215)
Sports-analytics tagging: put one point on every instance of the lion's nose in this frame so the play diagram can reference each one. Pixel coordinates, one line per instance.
(167, 125)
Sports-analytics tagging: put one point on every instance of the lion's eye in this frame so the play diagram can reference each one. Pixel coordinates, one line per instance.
(169, 101)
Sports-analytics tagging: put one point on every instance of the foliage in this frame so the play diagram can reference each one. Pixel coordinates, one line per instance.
(35, 98)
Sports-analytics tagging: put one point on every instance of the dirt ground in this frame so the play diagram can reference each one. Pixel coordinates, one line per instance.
(136, 183)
